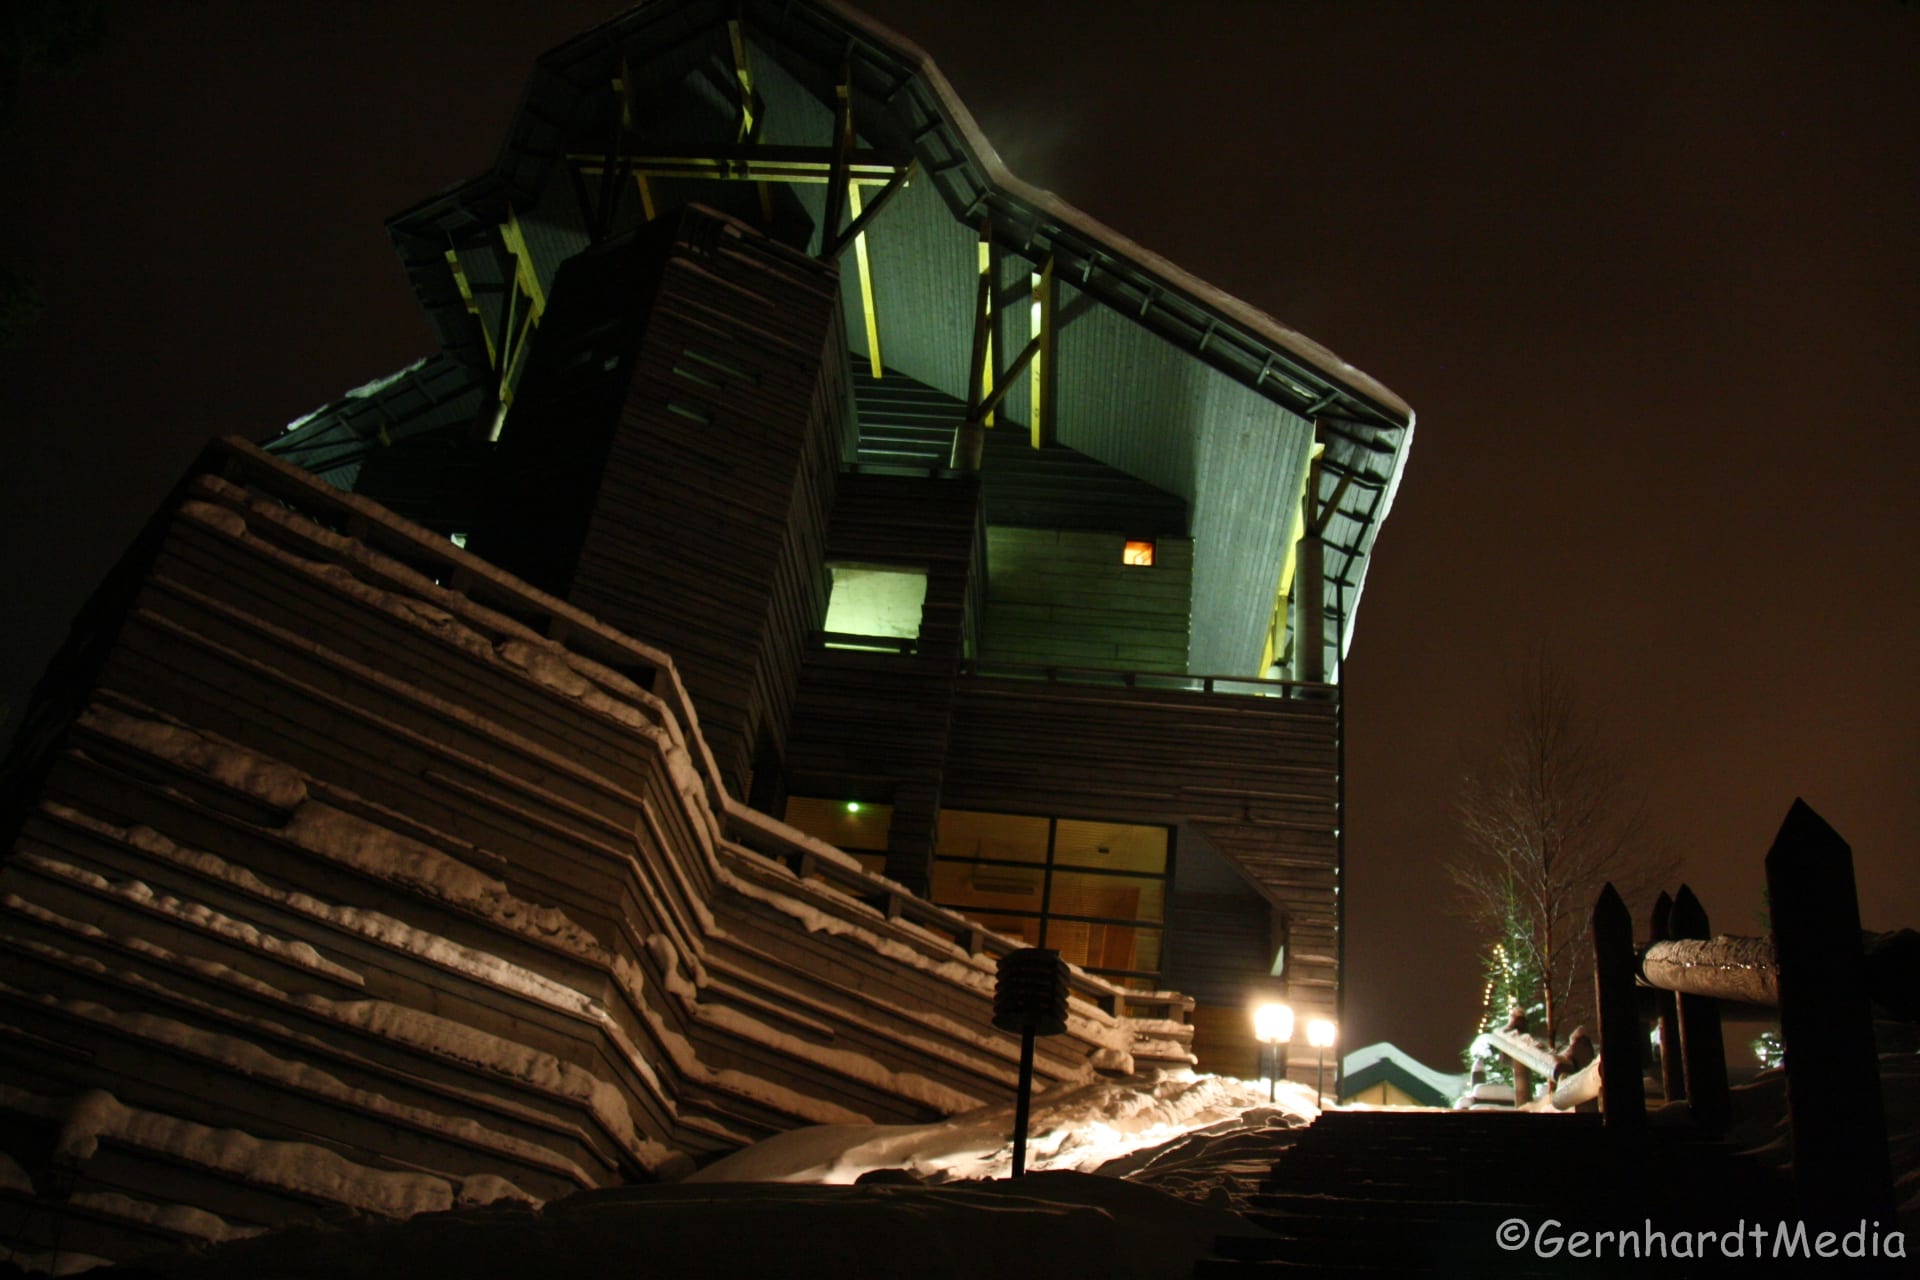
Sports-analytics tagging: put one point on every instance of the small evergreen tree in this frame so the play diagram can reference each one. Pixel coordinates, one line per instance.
(1512, 980)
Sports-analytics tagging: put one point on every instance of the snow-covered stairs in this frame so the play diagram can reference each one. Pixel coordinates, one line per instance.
(1377, 1193)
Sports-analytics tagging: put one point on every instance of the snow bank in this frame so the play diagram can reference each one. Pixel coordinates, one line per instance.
(300, 1168)
(1083, 1128)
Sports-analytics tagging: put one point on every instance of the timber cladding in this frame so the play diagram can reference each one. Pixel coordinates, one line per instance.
(1064, 598)
(1256, 777)
(697, 407)
(351, 885)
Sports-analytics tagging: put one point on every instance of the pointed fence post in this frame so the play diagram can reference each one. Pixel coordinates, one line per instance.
(1840, 1167)
(1673, 1077)
(1623, 1097)
(1702, 1048)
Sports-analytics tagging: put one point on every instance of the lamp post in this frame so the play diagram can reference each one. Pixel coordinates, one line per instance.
(1273, 1027)
(1320, 1034)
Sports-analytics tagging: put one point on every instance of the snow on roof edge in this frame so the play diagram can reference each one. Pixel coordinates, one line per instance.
(1386, 1051)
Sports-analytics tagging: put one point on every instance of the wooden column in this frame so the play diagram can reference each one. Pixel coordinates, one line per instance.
(1673, 1076)
(1702, 1048)
(1623, 1098)
(1840, 1167)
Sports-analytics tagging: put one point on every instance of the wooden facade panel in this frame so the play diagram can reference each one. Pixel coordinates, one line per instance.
(1064, 597)
(294, 735)
(682, 421)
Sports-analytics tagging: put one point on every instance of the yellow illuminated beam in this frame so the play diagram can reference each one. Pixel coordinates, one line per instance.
(865, 270)
(755, 164)
(524, 272)
(984, 415)
(1283, 594)
(473, 304)
(1042, 377)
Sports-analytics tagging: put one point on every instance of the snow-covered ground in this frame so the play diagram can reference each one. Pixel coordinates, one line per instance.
(1165, 1146)
(1127, 1178)
(1111, 1126)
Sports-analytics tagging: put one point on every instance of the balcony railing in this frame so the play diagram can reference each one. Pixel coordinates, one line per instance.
(1164, 680)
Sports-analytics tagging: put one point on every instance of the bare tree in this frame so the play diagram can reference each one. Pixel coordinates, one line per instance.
(1549, 815)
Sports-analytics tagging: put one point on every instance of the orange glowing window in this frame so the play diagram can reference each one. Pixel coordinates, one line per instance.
(1137, 553)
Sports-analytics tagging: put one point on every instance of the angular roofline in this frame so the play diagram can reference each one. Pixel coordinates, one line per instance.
(1214, 326)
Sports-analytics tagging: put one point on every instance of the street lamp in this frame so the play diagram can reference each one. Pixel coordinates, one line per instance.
(1320, 1034)
(1273, 1027)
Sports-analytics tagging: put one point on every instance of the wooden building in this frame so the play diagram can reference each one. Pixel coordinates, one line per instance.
(815, 563)
(992, 547)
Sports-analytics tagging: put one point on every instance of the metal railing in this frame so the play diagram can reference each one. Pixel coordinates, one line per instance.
(1168, 681)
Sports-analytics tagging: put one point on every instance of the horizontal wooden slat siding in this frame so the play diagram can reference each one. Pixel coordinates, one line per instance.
(709, 524)
(1064, 598)
(339, 857)
(1257, 777)
(1216, 945)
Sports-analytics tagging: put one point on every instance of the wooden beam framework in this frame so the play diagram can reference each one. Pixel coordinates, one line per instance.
(988, 384)
(842, 166)
(518, 301)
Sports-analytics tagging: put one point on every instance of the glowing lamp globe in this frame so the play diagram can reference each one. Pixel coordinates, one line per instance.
(1273, 1024)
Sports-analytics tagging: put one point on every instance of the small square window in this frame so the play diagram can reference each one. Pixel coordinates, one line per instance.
(1137, 552)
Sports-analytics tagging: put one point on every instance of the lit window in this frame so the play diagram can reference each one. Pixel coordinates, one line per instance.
(1098, 888)
(873, 606)
(1137, 552)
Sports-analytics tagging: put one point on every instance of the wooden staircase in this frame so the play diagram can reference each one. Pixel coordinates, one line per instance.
(1375, 1193)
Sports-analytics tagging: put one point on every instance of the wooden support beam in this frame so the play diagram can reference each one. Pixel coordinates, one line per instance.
(969, 441)
(863, 266)
(977, 377)
(1840, 1165)
(1324, 513)
(1702, 1048)
(1007, 378)
(1623, 1099)
(1673, 1076)
(749, 161)
(1045, 367)
(989, 271)
(748, 101)
(473, 304)
(855, 232)
(524, 271)
(837, 171)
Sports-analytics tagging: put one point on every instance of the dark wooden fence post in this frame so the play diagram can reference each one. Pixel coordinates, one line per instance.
(1702, 1047)
(1840, 1168)
(1623, 1098)
(1673, 1078)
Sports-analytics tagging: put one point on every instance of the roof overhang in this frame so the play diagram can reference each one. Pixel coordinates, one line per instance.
(1222, 401)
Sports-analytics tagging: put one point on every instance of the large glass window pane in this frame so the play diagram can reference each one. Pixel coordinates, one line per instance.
(1081, 893)
(1011, 836)
(1111, 845)
(845, 824)
(1106, 946)
(972, 887)
(1012, 927)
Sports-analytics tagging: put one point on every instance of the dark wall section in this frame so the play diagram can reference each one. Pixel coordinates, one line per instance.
(872, 725)
(672, 462)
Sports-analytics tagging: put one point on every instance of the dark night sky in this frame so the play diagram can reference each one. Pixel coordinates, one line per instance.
(1648, 274)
